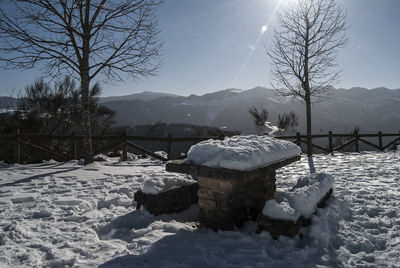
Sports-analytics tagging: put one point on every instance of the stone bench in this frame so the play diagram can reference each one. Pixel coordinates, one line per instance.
(227, 197)
(310, 194)
(171, 201)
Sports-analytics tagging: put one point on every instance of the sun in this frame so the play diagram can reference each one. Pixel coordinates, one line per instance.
(264, 28)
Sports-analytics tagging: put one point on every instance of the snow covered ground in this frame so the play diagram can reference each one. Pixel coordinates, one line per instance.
(63, 214)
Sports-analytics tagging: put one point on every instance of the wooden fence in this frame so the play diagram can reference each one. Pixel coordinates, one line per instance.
(350, 139)
(110, 143)
(102, 144)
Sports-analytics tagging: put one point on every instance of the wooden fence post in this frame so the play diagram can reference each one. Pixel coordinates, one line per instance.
(124, 148)
(169, 146)
(356, 142)
(17, 149)
(74, 146)
(330, 142)
(380, 140)
(298, 142)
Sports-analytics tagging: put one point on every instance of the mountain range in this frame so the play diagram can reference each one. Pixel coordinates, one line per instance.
(340, 111)
(372, 110)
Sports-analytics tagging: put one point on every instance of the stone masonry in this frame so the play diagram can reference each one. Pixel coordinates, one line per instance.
(228, 198)
(226, 203)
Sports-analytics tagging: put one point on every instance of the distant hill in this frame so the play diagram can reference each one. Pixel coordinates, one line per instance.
(8, 103)
(371, 110)
(144, 96)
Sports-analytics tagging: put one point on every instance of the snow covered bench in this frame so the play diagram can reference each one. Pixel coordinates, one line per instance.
(291, 210)
(236, 176)
(170, 201)
(167, 193)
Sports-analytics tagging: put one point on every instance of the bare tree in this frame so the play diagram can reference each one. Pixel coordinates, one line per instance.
(260, 118)
(304, 49)
(84, 38)
(56, 108)
(287, 122)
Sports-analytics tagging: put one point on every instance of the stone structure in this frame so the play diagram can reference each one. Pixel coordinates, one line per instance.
(172, 201)
(277, 227)
(281, 227)
(228, 198)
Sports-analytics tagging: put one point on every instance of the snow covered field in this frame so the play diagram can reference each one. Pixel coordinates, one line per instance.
(63, 214)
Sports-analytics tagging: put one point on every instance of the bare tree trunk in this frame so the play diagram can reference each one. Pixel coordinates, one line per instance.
(306, 87)
(308, 115)
(87, 140)
(85, 81)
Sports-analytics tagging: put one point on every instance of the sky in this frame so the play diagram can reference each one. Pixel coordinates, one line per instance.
(211, 45)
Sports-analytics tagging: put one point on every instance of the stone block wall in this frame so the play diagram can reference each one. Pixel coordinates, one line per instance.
(229, 202)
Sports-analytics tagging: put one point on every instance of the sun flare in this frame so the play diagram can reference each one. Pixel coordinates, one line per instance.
(264, 28)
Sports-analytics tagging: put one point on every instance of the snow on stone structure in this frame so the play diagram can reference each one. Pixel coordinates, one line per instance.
(156, 185)
(236, 176)
(291, 210)
(168, 193)
(302, 200)
(242, 152)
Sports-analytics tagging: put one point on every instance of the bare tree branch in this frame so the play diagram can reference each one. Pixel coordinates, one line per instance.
(84, 38)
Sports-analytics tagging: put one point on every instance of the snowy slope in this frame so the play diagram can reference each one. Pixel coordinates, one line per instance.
(85, 217)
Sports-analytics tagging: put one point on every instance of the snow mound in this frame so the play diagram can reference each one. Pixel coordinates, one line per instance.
(132, 157)
(49, 162)
(302, 200)
(156, 185)
(162, 154)
(282, 210)
(271, 130)
(242, 152)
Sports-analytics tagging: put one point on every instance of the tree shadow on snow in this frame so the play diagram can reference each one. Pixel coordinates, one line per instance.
(183, 248)
(48, 165)
(311, 164)
(28, 179)
(120, 228)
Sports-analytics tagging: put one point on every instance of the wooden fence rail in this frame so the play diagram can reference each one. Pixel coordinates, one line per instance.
(121, 142)
(351, 139)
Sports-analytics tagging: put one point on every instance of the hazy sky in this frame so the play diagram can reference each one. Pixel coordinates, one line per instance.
(212, 45)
